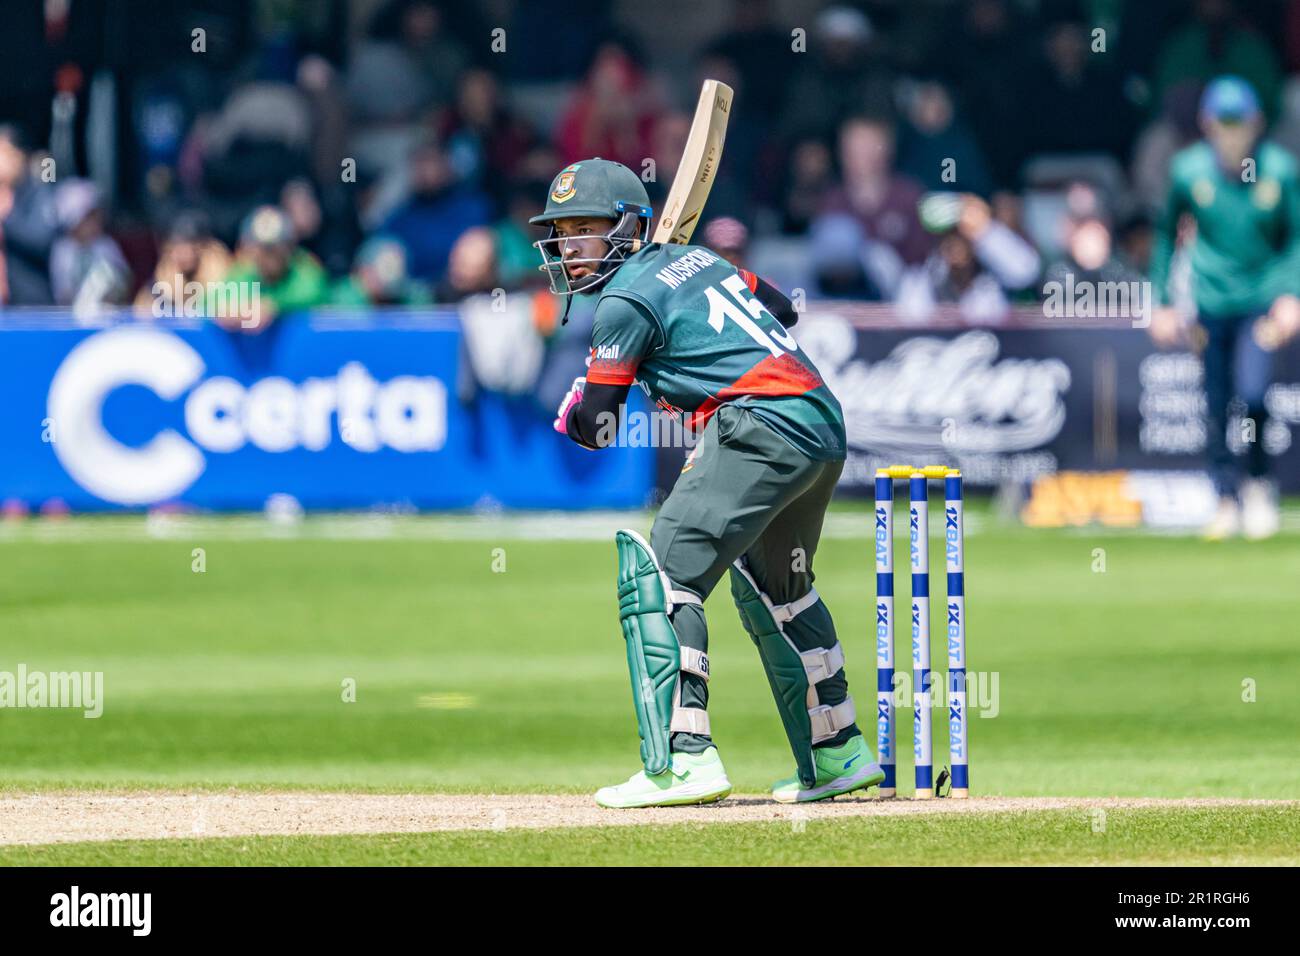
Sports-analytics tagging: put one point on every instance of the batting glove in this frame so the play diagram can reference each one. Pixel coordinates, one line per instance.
(571, 400)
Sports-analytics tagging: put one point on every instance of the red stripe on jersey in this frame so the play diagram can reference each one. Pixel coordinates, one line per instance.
(700, 417)
(611, 372)
(751, 280)
(785, 375)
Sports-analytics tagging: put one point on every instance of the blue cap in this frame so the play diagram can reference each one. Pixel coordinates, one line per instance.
(1229, 98)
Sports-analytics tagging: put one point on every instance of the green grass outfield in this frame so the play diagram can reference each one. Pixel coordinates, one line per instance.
(1172, 673)
(1192, 837)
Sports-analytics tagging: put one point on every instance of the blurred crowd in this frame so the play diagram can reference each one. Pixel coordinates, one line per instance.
(927, 153)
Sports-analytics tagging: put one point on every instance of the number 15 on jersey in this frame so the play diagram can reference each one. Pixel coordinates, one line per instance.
(743, 308)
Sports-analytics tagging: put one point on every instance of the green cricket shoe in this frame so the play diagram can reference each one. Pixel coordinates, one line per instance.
(840, 770)
(691, 778)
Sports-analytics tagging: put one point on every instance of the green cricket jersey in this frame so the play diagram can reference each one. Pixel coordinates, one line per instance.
(683, 324)
(1247, 249)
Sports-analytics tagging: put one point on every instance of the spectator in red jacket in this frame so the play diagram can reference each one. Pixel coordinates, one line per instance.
(613, 113)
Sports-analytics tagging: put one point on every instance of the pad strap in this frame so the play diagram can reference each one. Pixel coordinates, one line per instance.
(781, 613)
(690, 720)
(679, 597)
(827, 721)
(822, 662)
(695, 662)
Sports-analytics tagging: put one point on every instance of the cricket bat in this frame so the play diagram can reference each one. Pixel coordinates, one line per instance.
(699, 165)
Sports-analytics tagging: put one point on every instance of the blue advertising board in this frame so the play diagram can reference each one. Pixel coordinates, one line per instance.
(337, 412)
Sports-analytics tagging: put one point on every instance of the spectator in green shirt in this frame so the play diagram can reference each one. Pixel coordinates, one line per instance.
(1243, 193)
(277, 276)
(379, 277)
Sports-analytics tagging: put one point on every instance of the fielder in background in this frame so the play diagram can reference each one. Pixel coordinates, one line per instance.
(709, 344)
(1243, 193)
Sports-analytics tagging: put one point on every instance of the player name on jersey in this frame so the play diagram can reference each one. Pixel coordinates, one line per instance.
(688, 265)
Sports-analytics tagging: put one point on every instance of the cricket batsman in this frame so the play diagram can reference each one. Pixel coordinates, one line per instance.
(1243, 192)
(709, 344)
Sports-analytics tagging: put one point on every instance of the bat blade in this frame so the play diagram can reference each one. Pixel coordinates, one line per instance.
(698, 167)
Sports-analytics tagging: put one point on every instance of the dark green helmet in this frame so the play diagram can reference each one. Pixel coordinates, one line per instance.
(594, 187)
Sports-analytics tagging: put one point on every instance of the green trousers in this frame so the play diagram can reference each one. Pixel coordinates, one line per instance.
(746, 491)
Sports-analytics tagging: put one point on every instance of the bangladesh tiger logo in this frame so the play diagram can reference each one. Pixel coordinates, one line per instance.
(564, 188)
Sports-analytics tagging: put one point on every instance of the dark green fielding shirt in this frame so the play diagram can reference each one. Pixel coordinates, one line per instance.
(1247, 249)
(684, 325)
